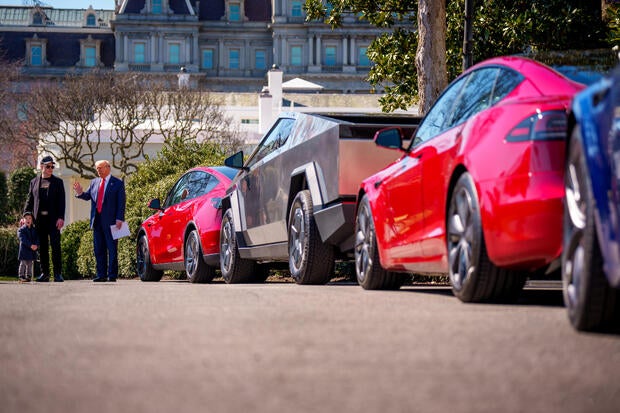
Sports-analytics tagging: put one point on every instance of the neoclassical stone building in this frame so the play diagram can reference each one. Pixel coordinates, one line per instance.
(226, 45)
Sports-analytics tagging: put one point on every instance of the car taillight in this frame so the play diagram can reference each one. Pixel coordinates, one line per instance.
(542, 126)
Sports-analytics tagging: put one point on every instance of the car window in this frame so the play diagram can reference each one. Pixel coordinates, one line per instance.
(176, 193)
(505, 83)
(274, 139)
(200, 183)
(475, 96)
(435, 120)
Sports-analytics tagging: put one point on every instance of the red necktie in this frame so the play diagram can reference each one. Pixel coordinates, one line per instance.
(100, 195)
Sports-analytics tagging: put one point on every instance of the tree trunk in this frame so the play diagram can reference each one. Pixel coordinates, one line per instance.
(431, 54)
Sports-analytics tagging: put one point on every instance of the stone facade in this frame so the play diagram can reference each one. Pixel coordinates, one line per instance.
(226, 45)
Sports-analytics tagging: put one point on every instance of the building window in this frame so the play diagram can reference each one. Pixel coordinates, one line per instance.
(37, 18)
(90, 52)
(91, 20)
(36, 55)
(90, 58)
(330, 56)
(139, 55)
(234, 12)
(296, 56)
(207, 59)
(156, 7)
(36, 51)
(174, 53)
(362, 57)
(296, 10)
(233, 59)
(259, 59)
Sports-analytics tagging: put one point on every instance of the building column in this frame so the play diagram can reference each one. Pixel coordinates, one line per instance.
(347, 65)
(188, 50)
(310, 51)
(126, 57)
(220, 53)
(153, 44)
(284, 50)
(246, 63)
(119, 48)
(318, 51)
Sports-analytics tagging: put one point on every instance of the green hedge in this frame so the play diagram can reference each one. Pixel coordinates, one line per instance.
(9, 245)
(69, 244)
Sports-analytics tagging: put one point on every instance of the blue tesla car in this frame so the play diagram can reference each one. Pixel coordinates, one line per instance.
(591, 243)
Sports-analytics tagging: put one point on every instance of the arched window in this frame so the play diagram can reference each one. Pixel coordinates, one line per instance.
(37, 18)
(91, 20)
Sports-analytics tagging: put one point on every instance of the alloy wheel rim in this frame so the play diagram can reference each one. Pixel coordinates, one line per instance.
(141, 259)
(297, 239)
(460, 238)
(576, 205)
(363, 244)
(226, 248)
(190, 255)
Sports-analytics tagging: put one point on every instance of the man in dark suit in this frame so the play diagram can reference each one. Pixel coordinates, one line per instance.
(107, 196)
(46, 201)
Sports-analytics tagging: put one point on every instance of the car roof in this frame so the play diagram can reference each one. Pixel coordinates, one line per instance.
(225, 171)
(548, 81)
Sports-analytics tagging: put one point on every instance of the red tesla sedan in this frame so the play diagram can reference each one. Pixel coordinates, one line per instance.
(477, 194)
(184, 233)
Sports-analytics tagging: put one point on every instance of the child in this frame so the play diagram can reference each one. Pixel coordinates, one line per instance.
(28, 246)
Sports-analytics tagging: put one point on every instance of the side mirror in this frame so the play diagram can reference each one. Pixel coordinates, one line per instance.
(235, 161)
(391, 138)
(184, 194)
(216, 202)
(155, 204)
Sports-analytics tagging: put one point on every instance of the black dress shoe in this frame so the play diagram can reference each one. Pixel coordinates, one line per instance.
(100, 279)
(58, 278)
(43, 278)
(112, 279)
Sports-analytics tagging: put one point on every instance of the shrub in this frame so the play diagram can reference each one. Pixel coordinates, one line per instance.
(4, 200)
(86, 263)
(19, 185)
(69, 245)
(127, 250)
(9, 245)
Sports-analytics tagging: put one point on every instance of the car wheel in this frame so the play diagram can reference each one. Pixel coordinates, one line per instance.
(196, 268)
(234, 268)
(370, 273)
(591, 303)
(310, 260)
(145, 270)
(473, 276)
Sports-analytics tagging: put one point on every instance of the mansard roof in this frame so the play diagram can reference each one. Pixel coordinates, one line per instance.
(255, 10)
(176, 6)
(22, 16)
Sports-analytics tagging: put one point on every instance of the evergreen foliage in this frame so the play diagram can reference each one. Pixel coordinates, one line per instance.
(4, 200)
(19, 185)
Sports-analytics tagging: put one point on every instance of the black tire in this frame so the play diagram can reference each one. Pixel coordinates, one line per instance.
(591, 302)
(145, 270)
(473, 276)
(196, 268)
(234, 268)
(370, 274)
(310, 260)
